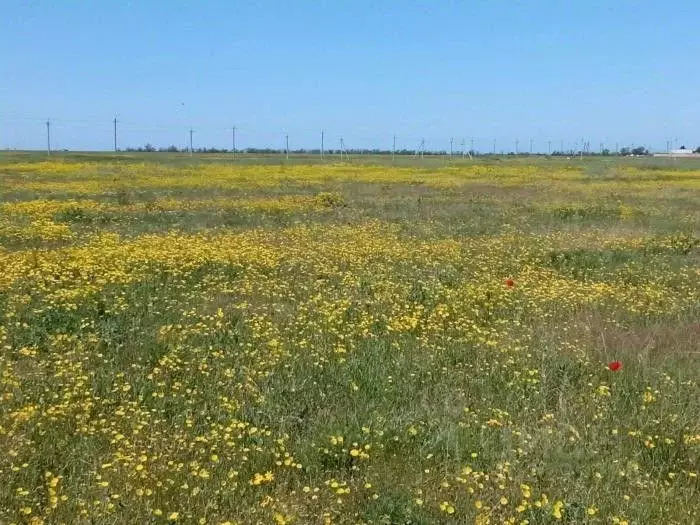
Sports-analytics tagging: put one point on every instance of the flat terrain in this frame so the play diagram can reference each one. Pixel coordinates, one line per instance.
(203, 340)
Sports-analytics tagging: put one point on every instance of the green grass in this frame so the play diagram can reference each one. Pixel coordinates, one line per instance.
(165, 346)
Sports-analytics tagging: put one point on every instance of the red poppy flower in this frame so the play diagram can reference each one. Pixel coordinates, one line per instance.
(510, 283)
(614, 366)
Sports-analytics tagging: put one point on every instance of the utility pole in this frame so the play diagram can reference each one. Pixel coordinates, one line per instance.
(115, 134)
(494, 146)
(471, 148)
(549, 147)
(517, 142)
(451, 141)
(48, 137)
(393, 149)
(322, 133)
(233, 141)
(342, 149)
(286, 138)
(464, 150)
(422, 148)
(191, 141)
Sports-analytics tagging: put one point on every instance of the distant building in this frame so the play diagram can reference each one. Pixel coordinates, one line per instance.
(682, 152)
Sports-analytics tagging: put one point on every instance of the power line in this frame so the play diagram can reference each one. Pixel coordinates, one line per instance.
(124, 132)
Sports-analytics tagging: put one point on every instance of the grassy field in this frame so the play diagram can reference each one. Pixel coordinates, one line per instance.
(201, 341)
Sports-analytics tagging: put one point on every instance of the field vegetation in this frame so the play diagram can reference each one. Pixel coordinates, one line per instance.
(198, 340)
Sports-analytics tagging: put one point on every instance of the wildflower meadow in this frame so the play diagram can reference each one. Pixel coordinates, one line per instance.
(208, 341)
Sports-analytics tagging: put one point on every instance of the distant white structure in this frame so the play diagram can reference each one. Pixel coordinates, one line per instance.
(683, 152)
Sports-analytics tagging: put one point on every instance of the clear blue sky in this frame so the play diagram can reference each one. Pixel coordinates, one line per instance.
(610, 71)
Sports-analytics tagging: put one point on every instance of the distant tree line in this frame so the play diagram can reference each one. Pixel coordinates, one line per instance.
(634, 151)
(173, 149)
(149, 148)
(640, 150)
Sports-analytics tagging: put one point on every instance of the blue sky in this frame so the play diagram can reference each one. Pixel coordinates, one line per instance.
(610, 71)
